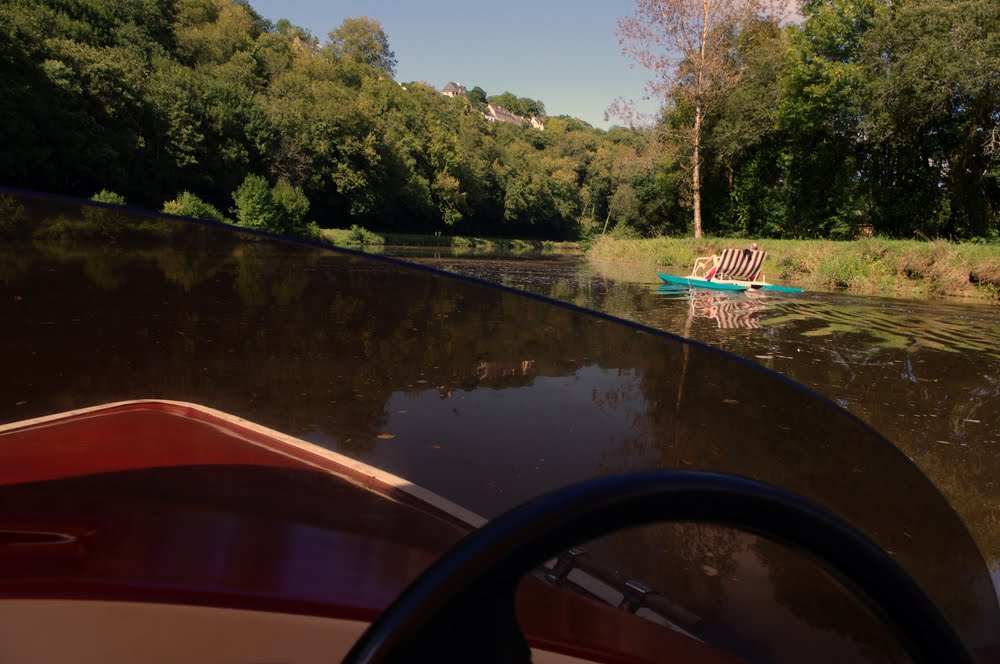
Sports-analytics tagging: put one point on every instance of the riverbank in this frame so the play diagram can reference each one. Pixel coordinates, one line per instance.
(870, 266)
(358, 238)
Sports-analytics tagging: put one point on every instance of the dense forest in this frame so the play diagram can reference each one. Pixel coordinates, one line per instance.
(876, 115)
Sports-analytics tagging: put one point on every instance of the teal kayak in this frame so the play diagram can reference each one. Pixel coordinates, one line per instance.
(694, 282)
(778, 289)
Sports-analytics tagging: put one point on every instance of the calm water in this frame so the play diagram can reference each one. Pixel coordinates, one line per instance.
(924, 374)
(489, 398)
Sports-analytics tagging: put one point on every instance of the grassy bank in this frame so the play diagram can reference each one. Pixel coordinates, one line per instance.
(871, 266)
(357, 237)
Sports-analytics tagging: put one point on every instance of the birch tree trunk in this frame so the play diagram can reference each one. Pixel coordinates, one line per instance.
(685, 43)
(696, 170)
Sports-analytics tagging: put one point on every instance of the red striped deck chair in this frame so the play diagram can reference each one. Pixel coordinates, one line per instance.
(739, 264)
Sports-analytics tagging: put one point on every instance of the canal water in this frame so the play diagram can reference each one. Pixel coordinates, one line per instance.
(925, 374)
(489, 398)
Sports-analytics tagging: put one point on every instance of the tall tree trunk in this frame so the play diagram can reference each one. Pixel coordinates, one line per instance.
(696, 168)
(686, 44)
(699, 111)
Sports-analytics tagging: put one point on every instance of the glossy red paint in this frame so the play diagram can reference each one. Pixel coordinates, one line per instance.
(156, 500)
(130, 437)
(160, 502)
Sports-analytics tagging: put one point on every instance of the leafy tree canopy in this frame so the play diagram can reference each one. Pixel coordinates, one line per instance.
(363, 41)
(868, 112)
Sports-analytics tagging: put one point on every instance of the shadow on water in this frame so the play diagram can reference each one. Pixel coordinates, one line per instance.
(489, 398)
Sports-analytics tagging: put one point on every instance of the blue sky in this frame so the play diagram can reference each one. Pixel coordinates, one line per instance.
(563, 52)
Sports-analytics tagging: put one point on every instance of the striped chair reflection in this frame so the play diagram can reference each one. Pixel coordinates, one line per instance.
(728, 313)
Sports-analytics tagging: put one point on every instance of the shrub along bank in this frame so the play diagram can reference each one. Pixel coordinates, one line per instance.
(356, 236)
(870, 266)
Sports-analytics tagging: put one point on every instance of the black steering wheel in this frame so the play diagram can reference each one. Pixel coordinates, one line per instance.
(462, 607)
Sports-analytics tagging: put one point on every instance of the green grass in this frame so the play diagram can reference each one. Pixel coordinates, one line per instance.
(871, 266)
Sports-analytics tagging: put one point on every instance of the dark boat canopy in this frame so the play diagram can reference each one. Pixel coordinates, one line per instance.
(480, 394)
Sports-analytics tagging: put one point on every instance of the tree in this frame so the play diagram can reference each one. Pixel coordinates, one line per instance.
(623, 207)
(746, 154)
(930, 102)
(820, 119)
(477, 95)
(530, 106)
(687, 45)
(286, 28)
(507, 100)
(152, 98)
(213, 30)
(523, 106)
(363, 40)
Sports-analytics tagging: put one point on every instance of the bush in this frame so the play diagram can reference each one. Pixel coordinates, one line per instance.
(280, 210)
(622, 231)
(13, 219)
(189, 205)
(291, 206)
(313, 232)
(105, 196)
(362, 236)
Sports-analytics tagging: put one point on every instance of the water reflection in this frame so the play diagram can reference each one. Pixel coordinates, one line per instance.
(729, 310)
(925, 374)
(481, 395)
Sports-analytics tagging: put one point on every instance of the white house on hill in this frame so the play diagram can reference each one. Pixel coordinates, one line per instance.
(501, 114)
(453, 89)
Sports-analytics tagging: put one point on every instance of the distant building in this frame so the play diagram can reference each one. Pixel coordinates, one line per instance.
(453, 90)
(501, 114)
